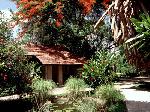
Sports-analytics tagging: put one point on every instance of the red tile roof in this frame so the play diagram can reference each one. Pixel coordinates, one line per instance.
(52, 55)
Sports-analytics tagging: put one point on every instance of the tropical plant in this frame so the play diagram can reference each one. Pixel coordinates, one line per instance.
(105, 67)
(42, 86)
(123, 28)
(141, 41)
(41, 91)
(109, 94)
(86, 105)
(118, 107)
(14, 67)
(112, 97)
(75, 84)
(76, 88)
(121, 34)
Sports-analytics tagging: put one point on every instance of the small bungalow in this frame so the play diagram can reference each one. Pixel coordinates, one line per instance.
(57, 63)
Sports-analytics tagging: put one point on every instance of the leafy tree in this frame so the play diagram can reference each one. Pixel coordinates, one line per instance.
(101, 39)
(5, 30)
(65, 23)
(15, 71)
(105, 68)
(141, 40)
(121, 13)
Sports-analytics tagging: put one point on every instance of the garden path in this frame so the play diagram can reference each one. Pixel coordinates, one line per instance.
(136, 92)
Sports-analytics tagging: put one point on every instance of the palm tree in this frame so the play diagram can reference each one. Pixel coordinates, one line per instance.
(121, 12)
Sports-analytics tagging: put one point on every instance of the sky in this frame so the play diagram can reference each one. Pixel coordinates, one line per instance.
(5, 6)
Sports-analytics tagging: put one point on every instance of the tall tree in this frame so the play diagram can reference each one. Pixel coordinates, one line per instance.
(15, 71)
(57, 23)
(121, 12)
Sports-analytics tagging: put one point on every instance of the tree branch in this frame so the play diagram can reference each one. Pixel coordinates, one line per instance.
(103, 16)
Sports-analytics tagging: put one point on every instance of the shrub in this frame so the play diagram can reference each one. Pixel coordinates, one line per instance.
(42, 87)
(15, 71)
(76, 88)
(118, 107)
(109, 94)
(41, 90)
(114, 100)
(86, 105)
(104, 68)
(75, 84)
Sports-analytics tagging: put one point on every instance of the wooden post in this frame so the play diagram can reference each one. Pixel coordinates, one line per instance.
(60, 74)
(48, 72)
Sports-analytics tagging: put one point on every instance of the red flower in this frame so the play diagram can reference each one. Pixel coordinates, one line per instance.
(87, 5)
(60, 16)
(24, 1)
(58, 23)
(106, 1)
(32, 11)
(26, 6)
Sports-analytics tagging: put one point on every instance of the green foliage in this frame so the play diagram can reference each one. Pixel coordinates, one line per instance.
(142, 24)
(114, 100)
(14, 68)
(142, 40)
(41, 91)
(118, 107)
(86, 105)
(104, 68)
(5, 30)
(101, 38)
(15, 71)
(76, 88)
(75, 84)
(42, 86)
(109, 94)
(47, 107)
